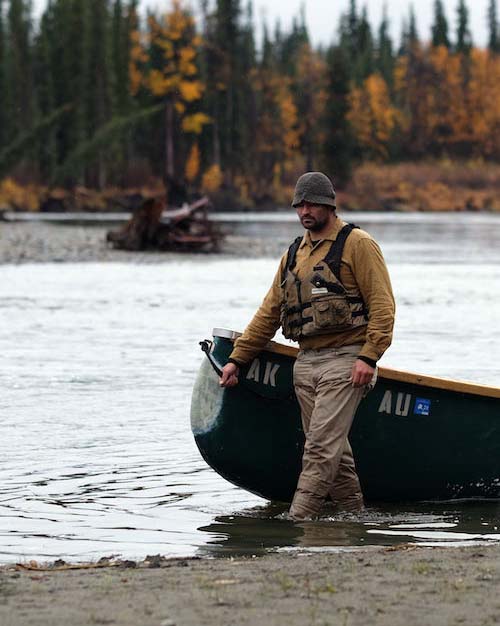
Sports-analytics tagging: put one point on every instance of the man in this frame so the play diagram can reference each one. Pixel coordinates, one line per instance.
(332, 294)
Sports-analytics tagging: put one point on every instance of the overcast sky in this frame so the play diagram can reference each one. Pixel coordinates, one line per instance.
(322, 15)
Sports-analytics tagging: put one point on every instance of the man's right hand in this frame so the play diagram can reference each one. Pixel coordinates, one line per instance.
(229, 376)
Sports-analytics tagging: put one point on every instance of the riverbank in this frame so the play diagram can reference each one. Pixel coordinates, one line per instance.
(389, 587)
(248, 235)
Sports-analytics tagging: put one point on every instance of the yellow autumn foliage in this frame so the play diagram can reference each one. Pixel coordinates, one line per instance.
(484, 101)
(159, 84)
(192, 168)
(180, 107)
(178, 21)
(277, 138)
(135, 78)
(449, 101)
(173, 79)
(372, 115)
(311, 83)
(190, 90)
(14, 196)
(137, 57)
(289, 121)
(187, 55)
(175, 36)
(194, 123)
(212, 179)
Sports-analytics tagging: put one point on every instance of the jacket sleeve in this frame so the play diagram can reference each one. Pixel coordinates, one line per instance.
(374, 284)
(263, 326)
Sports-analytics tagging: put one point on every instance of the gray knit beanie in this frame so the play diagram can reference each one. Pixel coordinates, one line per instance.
(314, 187)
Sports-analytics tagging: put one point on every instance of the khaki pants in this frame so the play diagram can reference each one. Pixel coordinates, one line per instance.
(328, 402)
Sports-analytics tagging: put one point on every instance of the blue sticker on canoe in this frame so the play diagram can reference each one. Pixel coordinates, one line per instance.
(422, 406)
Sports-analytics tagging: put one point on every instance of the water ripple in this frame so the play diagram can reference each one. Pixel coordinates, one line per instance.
(96, 371)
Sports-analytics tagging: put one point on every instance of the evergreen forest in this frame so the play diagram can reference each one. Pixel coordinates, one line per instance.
(99, 94)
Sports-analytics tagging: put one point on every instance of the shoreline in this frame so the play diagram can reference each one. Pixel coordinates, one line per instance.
(52, 242)
(383, 586)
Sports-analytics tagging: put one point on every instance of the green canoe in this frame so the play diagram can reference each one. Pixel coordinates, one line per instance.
(414, 437)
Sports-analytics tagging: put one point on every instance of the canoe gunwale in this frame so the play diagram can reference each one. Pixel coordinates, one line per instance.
(385, 372)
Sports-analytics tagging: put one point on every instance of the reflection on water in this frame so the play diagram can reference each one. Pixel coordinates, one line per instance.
(261, 529)
(406, 238)
(97, 363)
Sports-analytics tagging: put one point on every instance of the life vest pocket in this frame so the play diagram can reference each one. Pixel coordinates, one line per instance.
(331, 311)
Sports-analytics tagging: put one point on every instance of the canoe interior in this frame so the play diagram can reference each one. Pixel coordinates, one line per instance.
(412, 440)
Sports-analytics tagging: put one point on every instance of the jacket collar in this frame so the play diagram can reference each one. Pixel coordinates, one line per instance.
(331, 235)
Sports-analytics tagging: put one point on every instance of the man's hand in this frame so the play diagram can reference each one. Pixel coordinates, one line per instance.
(229, 376)
(362, 373)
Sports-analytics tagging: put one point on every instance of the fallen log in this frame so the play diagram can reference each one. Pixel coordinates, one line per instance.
(154, 227)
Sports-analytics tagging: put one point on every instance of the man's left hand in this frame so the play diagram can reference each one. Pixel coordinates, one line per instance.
(362, 373)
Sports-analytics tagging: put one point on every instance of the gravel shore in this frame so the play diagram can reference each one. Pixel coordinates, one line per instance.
(37, 242)
(381, 587)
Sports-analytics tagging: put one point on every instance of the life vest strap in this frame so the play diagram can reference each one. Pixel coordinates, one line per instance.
(334, 257)
(291, 256)
(298, 308)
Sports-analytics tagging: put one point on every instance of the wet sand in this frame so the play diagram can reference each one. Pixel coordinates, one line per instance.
(409, 585)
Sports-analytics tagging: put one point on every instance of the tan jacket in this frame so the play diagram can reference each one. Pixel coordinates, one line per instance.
(363, 268)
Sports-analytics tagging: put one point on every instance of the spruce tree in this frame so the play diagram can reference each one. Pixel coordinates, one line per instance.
(409, 33)
(493, 27)
(208, 60)
(352, 25)
(246, 97)
(67, 49)
(412, 29)
(385, 56)
(337, 153)
(268, 50)
(348, 34)
(97, 80)
(119, 86)
(356, 41)
(365, 58)
(227, 39)
(45, 97)
(440, 26)
(3, 82)
(291, 45)
(119, 59)
(19, 75)
(279, 43)
(464, 39)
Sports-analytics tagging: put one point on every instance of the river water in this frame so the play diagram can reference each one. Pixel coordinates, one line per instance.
(97, 363)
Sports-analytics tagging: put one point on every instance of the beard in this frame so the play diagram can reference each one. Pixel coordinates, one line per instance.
(314, 224)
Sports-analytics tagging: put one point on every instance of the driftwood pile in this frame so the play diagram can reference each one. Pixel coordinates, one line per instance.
(154, 227)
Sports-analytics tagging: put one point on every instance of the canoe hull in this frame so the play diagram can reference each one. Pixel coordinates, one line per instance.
(410, 441)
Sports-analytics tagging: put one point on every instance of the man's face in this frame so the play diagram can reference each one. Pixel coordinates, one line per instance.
(314, 217)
